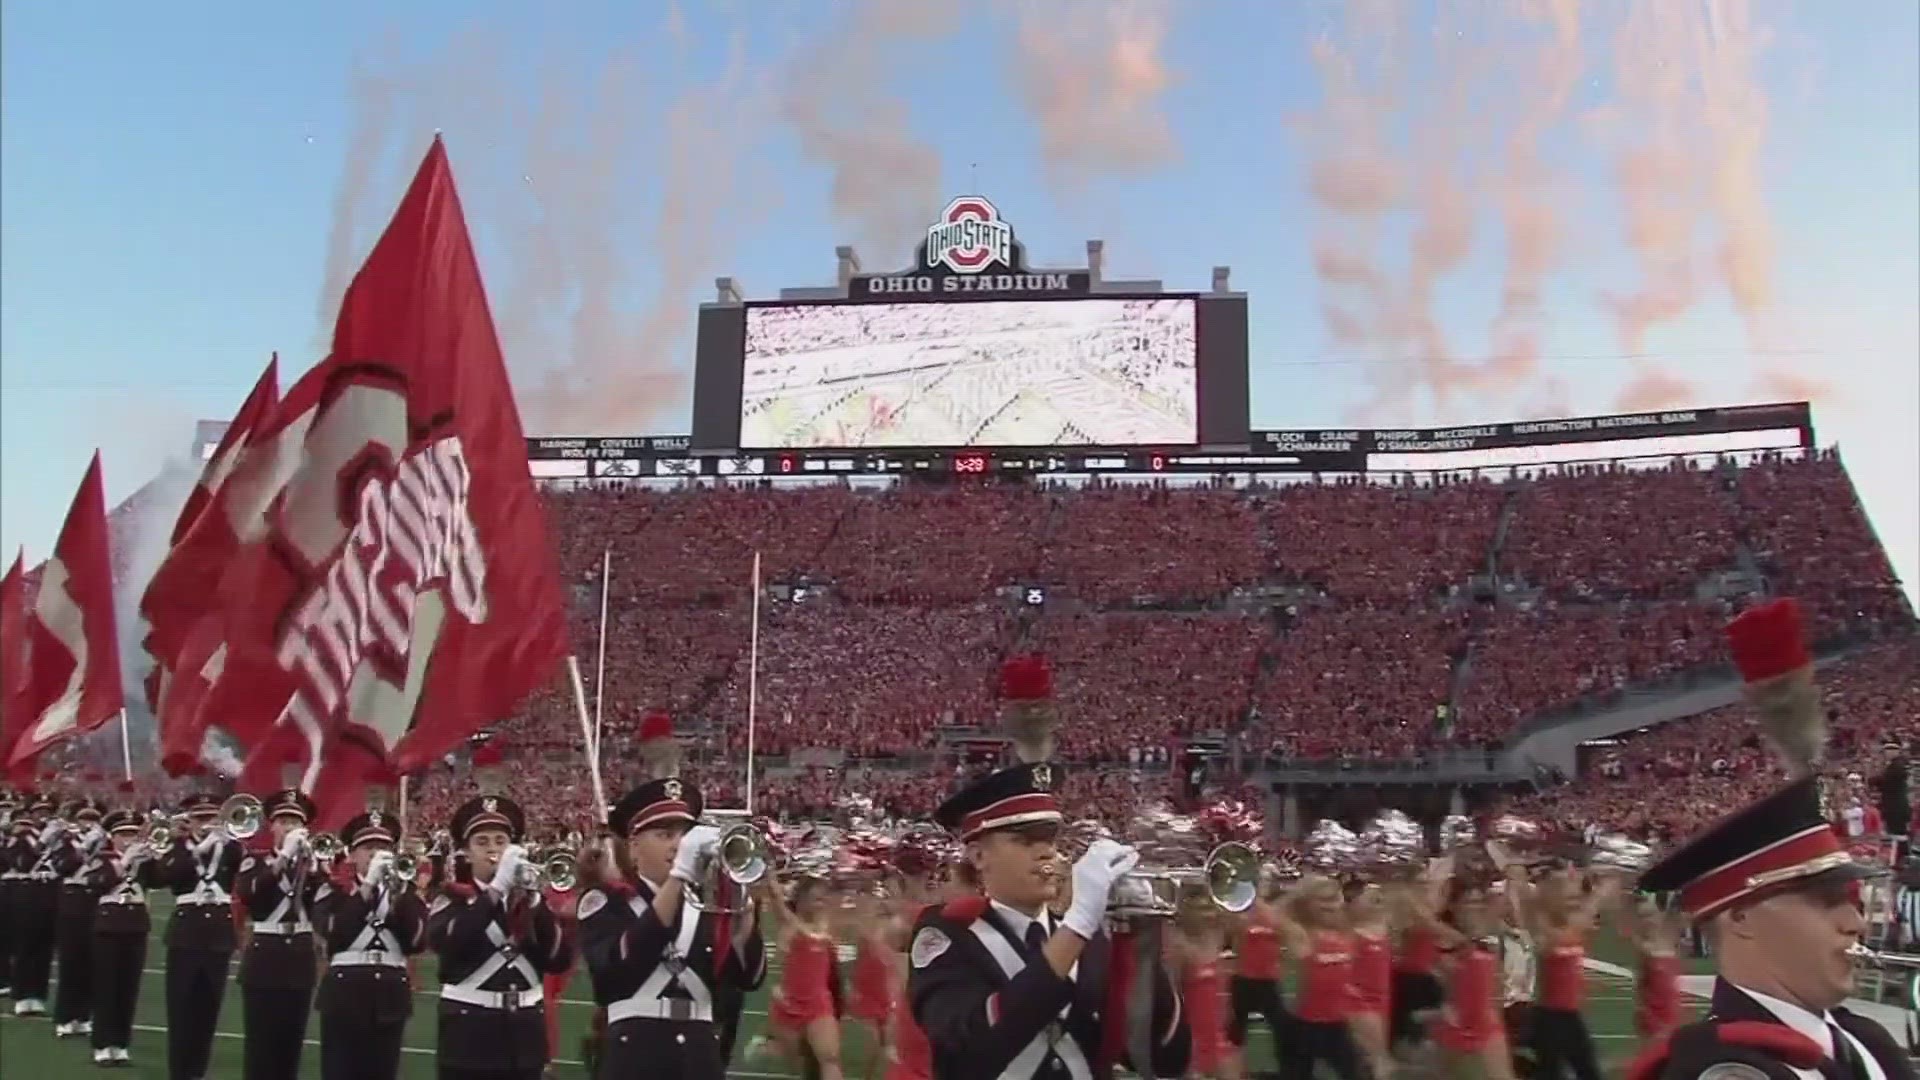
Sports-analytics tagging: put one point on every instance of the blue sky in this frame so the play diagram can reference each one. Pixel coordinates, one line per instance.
(172, 177)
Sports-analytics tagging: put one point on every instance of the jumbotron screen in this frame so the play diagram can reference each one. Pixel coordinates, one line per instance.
(1082, 372)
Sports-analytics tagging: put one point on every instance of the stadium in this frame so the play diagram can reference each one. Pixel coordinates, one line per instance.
(888, 491)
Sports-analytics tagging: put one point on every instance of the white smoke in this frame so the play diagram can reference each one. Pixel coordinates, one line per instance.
(140, 538)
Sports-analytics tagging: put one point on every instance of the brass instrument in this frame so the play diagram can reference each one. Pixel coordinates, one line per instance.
(405, 867)
(1875, 958)
(242, 816)
(743, 855)
(561, 867)
(160, 835)
(1229, 877)
(324, 848)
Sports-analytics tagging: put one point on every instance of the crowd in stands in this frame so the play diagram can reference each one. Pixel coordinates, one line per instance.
(1296, 621)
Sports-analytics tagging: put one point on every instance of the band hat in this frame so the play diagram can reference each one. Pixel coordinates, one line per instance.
(289, 802)
(488, 812)
(1782, 842)
(1015, 797)
(370, 826)
(663, 801)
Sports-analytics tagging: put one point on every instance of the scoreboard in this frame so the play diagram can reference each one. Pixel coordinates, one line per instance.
(1623, 435)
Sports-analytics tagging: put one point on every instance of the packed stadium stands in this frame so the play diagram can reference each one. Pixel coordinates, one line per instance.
(1294, 622)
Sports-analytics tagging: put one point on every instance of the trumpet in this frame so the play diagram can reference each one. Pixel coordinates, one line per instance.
(743, 855)
(324, 848)
(1229, 877)
(242, 816)
(1871, 957)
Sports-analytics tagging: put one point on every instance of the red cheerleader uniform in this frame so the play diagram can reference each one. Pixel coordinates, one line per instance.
(804, 995)
(1372, 983)
(1470, 1020)
(1326, 978)
(910, 1056)
(872, 981)
(1202, 993)
(1658, 1009)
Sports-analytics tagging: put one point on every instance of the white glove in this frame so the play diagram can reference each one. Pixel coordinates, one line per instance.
(293, 844)
(378, 868)
(699, 845)
(1105, 862)
(507, 873)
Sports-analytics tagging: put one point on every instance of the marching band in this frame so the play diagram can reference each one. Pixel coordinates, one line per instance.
(1000, 942)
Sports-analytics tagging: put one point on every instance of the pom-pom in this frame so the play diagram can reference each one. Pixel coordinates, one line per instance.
(1026, 678)
(1768, 641)
(657, 725)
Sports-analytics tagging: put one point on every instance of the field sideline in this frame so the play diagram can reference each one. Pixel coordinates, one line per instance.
(28, 1049)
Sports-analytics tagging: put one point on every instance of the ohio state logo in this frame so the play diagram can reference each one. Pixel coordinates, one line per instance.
(970, 237)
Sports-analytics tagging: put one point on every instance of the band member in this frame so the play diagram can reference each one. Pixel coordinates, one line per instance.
(37, 849)
(369, 925)
(660, 952)
(121, 874)
(12, 820)
(495, 937)
(1773, 889)
(199, 868)
(1001, 987)
(73, 927)
(277, 969)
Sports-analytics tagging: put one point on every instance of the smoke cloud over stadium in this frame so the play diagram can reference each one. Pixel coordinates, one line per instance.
(607, 201)
(1427, 129)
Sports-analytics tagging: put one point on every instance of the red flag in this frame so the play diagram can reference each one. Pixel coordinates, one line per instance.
(183, 586)
(183, 715)
(73, 655)
(405, 594)
(13, 654)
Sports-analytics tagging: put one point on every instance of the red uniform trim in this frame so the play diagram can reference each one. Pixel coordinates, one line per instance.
(964, 909)
(656, 812)
(1013, 810)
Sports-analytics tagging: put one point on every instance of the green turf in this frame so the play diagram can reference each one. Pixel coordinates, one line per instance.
(29, 1051)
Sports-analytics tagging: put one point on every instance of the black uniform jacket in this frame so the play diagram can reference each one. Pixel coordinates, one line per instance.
(623, 940)
(458, 929)
(376, 991)
(202, 920)
(120, 887)
(980, 1021)
(283, 961)
(1739, 1035)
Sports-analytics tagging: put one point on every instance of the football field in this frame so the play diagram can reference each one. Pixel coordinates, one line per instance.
(29, 1051)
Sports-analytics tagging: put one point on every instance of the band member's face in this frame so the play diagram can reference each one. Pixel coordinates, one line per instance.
(1021, 868)
(123, 840)
(363, 853)
(201, 821)
(282, 824)
(652, 849)
(484, 849)
(1803, 938)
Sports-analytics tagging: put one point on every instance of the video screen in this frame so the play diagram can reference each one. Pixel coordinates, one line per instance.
(1103, 372)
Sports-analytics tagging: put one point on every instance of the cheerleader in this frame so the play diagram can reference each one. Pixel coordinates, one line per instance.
(1416, 992)
(1470, 1034)
(1254, 986)
(909, 1055)
(803, 1014)
(1655, 936)
(1315, 929)
(1557, 914)
(1198, 942)
(1370, 1004)
(871, 1001)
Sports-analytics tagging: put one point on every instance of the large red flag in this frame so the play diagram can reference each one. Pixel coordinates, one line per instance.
(73, 655)
(405, 593)
(182, 589)
(13, 654)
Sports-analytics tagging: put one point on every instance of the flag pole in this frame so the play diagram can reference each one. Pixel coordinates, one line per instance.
(753, 676)
(586, 735)
(403, 804)
(600, 668)
(126, 747)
